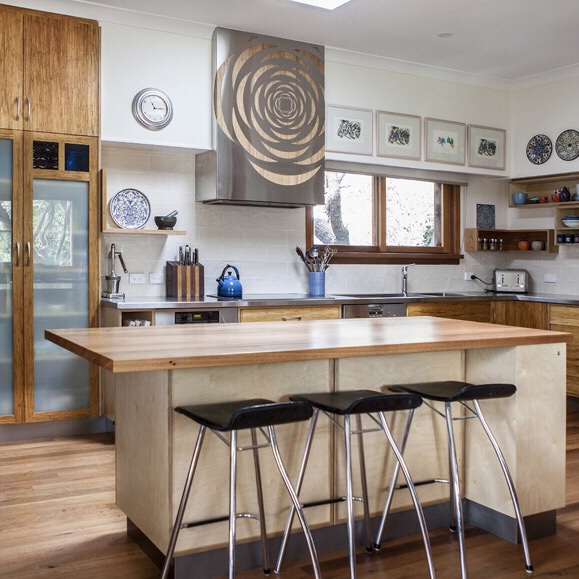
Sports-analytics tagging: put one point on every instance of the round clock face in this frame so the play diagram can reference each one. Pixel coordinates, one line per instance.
(153, 109)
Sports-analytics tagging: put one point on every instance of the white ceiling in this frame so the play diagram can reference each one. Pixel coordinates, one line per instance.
(507, 40)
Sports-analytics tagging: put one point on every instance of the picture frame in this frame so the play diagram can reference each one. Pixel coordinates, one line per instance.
(444, 141)
(349, 130)
(486, 147)
(398, 135)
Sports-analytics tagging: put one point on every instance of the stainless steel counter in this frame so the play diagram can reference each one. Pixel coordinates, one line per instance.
(268, 300)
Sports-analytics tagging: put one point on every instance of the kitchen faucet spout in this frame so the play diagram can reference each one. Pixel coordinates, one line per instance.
(405, 279)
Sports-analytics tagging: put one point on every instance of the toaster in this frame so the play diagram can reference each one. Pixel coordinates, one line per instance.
(511, 280)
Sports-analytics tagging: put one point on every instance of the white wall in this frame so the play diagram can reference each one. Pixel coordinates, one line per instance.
(261, 241)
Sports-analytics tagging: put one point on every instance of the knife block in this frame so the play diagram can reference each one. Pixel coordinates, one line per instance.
(184, 281)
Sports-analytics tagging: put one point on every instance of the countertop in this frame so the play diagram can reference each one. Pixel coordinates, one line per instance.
(196, 346)
(269, 300)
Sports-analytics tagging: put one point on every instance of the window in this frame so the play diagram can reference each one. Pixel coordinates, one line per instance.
(375, 219)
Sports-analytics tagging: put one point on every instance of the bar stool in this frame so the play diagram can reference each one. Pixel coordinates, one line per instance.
(255, 414)
(461, 392)
(346, 404)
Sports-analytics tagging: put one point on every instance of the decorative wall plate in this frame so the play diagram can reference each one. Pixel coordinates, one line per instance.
(567, 145)
(539, 149)
(130, 209)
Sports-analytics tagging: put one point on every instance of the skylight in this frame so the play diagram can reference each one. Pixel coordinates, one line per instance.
(326, 4)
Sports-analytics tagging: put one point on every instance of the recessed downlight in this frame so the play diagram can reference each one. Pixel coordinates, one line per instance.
(445, 35)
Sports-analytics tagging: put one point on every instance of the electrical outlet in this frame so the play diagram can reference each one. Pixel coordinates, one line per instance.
(137, 278)
(550, 278)
(156, 278)
(467, 275)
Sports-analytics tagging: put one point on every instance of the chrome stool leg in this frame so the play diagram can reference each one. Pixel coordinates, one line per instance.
(295, 503)
(350, 496)
(455, 488)
(418, 507)
(298, 488)
(364, 483)
(510, 484)
(183, 504)
(261, 509)
(232, 502)
(392, 487)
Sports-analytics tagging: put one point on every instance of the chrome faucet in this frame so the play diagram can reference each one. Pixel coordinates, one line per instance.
(405, 279)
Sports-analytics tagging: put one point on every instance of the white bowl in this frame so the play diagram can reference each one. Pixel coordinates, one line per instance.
(570, 222)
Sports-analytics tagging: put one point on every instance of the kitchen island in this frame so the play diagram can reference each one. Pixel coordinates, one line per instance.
(158, 368)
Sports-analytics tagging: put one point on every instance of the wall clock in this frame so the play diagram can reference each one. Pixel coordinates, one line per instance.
(153, 109)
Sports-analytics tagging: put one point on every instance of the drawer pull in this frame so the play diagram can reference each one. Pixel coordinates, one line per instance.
(17, 108)
(290, 318)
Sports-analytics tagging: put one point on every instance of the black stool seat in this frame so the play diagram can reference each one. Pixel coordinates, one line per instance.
(244, 414)
(456, 391)
(359, 401)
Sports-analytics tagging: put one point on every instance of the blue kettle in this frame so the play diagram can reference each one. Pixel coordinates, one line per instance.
(229, 286)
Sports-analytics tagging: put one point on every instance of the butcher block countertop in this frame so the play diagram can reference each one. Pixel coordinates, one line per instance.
(126, 349)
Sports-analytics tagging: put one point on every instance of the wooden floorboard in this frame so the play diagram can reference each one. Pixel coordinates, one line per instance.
(58, 519)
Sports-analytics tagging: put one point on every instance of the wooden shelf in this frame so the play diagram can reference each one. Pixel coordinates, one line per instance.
(107, 224)
(511, 238)
(121, 231)
(543, 186)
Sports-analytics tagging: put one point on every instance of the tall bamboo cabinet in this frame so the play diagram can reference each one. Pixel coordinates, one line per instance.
(49, 125)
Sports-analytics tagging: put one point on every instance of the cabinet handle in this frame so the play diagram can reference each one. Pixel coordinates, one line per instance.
(28, 255)
(17, 108)
(29, 107)
(17, 264)
(494, 315)
(290, 318)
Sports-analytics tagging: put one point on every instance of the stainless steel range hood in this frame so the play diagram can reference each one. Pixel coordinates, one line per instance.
(269, 123)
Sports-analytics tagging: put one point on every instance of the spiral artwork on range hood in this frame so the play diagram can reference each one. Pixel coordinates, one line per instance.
(269, 123)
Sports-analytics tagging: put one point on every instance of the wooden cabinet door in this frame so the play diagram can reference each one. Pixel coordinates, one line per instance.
(521, 314)
(566, 319)
(287, 314)
(10, 68)
(61, 74)
(459, 310)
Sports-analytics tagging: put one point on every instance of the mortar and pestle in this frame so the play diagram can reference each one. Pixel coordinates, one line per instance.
(166, 221)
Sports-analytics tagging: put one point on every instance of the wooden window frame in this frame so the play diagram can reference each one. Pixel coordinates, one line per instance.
(448, 253)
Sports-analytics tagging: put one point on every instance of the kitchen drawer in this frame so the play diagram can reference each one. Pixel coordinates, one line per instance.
(471, 311)
(287, 314)
(564, 315)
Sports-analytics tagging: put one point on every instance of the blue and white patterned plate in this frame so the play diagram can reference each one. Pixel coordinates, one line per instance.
(130, 209)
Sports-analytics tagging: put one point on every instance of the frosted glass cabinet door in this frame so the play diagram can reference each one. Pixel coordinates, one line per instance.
(6, 281)
(61, 291)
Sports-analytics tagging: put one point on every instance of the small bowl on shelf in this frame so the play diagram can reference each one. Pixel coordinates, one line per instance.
(520, 198)
(533, 200)
(571, 221)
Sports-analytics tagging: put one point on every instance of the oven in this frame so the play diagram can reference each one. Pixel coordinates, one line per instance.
(196, 316)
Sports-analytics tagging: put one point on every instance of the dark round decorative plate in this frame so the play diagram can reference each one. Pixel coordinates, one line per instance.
(539, 149)
(567, 145)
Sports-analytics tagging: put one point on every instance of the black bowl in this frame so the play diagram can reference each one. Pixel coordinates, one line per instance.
(163, 222)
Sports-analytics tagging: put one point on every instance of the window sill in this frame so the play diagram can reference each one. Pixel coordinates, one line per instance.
(396, 258)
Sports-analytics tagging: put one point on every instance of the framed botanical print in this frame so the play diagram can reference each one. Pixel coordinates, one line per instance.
(445, 141)
(486, 147)
(398, 135)
(349, 130)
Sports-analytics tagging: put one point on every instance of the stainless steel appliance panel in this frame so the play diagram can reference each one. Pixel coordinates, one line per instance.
(511, 280)
(384, 310)
(196, 316)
